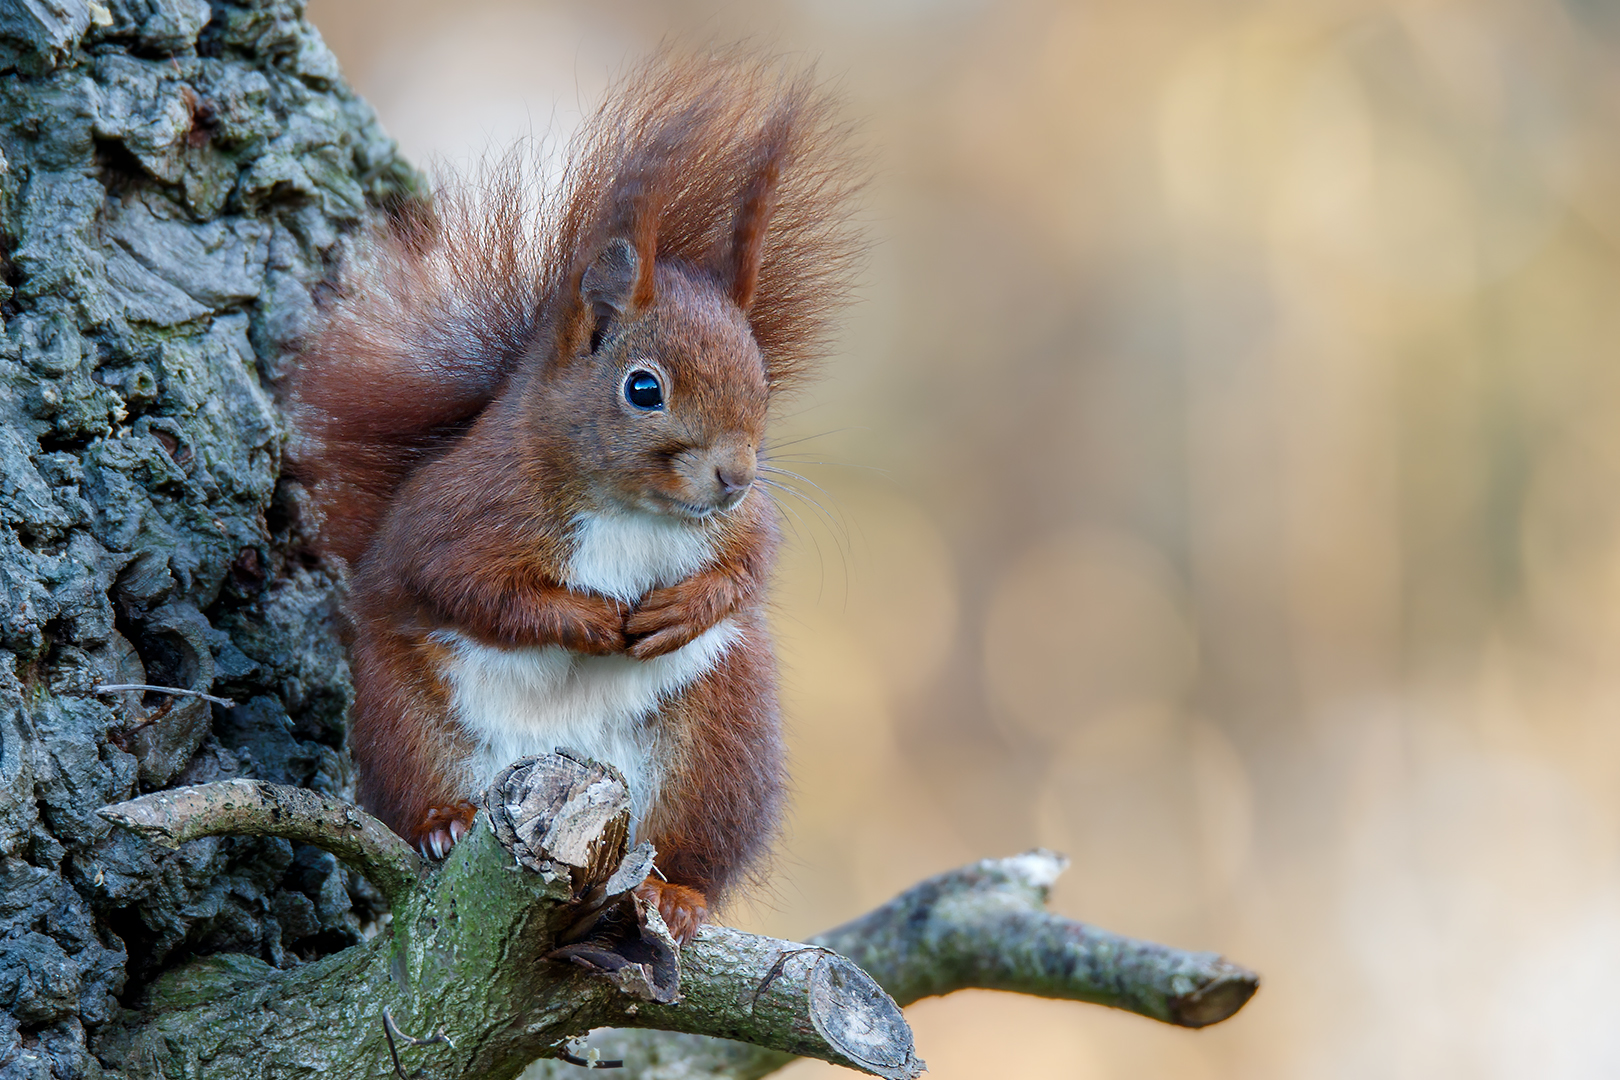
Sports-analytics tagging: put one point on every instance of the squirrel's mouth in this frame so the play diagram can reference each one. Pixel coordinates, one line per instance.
(681, 508)
(661, 502)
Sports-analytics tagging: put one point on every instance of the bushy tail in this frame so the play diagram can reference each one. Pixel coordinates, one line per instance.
(434, 310)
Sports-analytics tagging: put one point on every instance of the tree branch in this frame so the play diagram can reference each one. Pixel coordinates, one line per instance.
(255, 808)
(480, 947)
(490, 946)
(983, 926)
(803, 1000)
(986, 926)
(667, 1053)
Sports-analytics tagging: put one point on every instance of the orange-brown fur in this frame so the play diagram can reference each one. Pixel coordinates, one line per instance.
(458, 413)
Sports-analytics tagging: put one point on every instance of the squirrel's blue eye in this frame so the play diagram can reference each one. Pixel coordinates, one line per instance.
(641, 389)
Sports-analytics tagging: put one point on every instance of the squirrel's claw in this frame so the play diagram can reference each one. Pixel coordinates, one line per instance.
(442, 826)
(683, 908)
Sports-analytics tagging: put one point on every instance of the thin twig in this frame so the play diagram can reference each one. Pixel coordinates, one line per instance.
(393, 1051)
(391, 1031)
(587, 1063)
(115, 688)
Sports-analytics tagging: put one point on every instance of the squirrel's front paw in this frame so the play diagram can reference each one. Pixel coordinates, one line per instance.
(667, 619)
(593, 625)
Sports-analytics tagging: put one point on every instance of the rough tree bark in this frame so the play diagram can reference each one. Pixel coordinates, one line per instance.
(176, 181)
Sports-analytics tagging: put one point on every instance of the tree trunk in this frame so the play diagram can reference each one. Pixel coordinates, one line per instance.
(176, 181)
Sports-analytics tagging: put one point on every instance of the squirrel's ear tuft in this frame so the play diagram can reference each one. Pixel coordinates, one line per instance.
(609, 284)
(611, 279)
(754, 210)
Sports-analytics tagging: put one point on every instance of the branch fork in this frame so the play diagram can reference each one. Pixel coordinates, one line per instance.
(488, 949)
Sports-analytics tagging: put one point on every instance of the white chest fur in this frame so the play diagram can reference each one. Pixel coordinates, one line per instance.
(518, 702)
(623, 555)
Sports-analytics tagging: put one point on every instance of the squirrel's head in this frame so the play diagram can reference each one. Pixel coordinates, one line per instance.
(666, 396)
(685, 301)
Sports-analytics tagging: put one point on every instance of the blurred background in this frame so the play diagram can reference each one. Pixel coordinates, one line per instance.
(1218, 481)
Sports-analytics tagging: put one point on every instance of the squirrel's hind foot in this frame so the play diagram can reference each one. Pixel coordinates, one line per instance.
(442, 826)
(684, 909)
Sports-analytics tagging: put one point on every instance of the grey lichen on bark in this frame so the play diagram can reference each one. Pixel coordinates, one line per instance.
(175, 178)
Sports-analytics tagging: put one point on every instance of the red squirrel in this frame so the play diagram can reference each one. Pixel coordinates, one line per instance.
(534, 434)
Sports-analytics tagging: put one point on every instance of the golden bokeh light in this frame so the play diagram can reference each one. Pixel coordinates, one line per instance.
(1219, 481)
(1081, 624)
